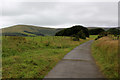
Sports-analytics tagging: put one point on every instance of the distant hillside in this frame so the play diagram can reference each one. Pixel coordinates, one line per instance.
(105, 28)
(28, 30)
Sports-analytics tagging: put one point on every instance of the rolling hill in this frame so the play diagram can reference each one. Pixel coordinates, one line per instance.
(28, 30)
(105, 28)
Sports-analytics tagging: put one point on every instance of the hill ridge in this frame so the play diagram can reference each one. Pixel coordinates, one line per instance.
(23, 29)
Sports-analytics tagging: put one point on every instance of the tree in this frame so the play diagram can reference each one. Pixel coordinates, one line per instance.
(96, 31)
(103, 33)
(81, 34)
(79, 30)
(114, 31)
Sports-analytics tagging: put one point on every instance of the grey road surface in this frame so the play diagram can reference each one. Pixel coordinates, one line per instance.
(78, 63)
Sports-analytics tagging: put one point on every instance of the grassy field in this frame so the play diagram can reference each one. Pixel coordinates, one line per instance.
(93, 36)
(33, 57)
(105, 52)
(29, 30)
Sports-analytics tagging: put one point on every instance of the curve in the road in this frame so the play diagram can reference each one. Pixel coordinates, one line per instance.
(76, 64)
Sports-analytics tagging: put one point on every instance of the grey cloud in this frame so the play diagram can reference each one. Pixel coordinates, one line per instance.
(61, 13)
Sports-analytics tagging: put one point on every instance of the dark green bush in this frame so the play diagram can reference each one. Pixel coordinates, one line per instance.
(114, 31)
(81, 34)
(76, 38)
(76, 30)
(96, 31)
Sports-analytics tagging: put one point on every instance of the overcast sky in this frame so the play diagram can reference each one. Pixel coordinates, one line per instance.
(59, 14)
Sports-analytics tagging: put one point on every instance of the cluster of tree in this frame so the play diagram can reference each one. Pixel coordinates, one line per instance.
(96, 31)
(76, 31)
(114, 31)
(111, 31)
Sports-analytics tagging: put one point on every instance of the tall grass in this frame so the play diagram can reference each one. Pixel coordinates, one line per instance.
(105, 52)
(33, 57)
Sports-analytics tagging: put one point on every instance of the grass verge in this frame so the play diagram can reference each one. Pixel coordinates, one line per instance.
(105, 52)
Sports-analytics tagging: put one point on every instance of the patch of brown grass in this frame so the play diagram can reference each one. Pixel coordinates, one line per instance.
(105, 52)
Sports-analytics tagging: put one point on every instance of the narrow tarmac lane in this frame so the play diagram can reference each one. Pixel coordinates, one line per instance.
(77, 64)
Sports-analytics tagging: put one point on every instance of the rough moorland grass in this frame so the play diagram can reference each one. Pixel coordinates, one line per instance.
(105, 52)
(33, 57)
